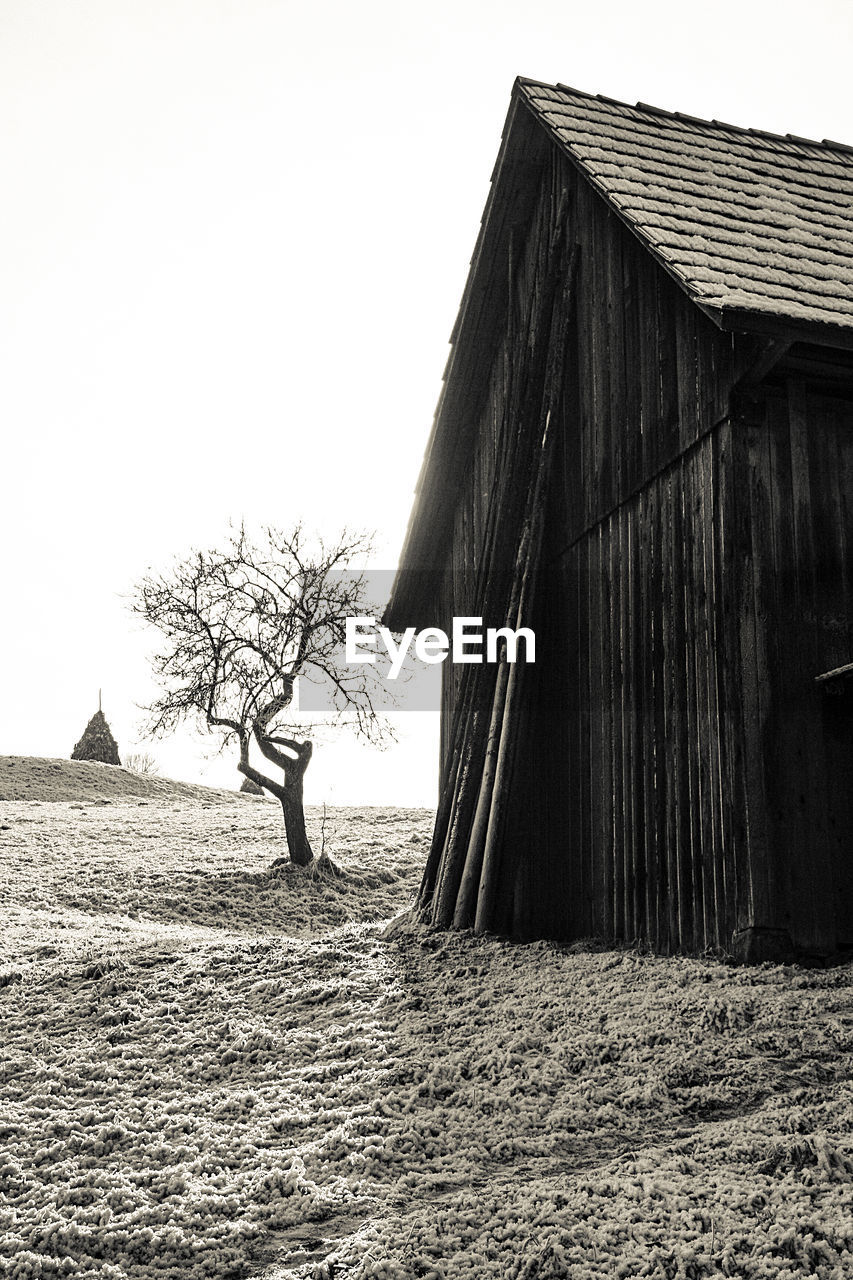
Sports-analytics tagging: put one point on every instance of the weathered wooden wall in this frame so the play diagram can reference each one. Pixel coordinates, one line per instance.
(682, 781)
(793, 586)
(689, 779)
(643, 752)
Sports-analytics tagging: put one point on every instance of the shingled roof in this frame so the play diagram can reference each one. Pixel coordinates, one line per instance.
(752, 224)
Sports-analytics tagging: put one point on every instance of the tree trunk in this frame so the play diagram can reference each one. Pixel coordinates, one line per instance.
(294, 812)
(289, 793)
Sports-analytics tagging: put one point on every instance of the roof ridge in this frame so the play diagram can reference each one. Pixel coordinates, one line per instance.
(648, 109)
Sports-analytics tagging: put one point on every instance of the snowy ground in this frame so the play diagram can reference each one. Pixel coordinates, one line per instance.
(212, 1071)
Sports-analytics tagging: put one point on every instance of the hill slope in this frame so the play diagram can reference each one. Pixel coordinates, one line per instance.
(32, 778)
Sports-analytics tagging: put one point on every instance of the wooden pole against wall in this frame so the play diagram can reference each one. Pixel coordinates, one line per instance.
(509, 723)
(527, 567)
(439, 887)
(473, 710)
(460, 881)
(473, 863)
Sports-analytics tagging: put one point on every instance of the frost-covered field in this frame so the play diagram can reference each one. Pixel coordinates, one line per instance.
(213, 1071)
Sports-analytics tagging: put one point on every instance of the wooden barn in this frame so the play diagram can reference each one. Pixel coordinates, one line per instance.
(644, 451)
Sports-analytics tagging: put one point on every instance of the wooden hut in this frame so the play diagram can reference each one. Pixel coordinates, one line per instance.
(644, 450)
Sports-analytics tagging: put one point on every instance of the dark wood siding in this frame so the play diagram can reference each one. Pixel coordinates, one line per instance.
(795, 582)
(682, 780)
(643, 752)
(703, 778)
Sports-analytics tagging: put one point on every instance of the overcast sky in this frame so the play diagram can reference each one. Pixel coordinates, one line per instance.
(233, 238)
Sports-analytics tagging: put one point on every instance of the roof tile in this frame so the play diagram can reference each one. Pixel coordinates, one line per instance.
(746, 219)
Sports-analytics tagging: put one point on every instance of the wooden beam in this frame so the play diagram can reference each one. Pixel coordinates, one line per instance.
(770, 353)
(836, 675)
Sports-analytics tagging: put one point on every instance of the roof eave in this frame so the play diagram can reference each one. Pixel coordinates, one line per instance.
(768, 323)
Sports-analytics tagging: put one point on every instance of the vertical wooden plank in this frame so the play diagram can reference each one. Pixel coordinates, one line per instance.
(685, 343)
(717, 660)
(671, 726)
(647, 628)
(596, 753)
(584, 744)
(602, 479)
(725, 684)
(739, 573)
(633, 359)
(839, 749)
(635, 685)
(690, 852)
(659, 754)
(605, 725)
(614, 319)
(706, 342)
(828, 536)
(567, 788)
(587, 480)
(712, 840)
(623, 799)
(668, 421)
(696, 740)
(790, 830)
(680, 800)
(843, 436)
(623, 789)
(811, 870)
(770, 655)
(753, 537)
(706, 727)
(613, 728)
(730, 554)
(646, 371)
(703, 845)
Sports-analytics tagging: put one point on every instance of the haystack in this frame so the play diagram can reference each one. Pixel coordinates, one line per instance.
(97, 742)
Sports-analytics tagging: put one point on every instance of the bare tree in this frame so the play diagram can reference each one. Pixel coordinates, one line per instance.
(241, 623)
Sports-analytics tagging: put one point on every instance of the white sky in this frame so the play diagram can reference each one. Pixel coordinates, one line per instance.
(233, 238)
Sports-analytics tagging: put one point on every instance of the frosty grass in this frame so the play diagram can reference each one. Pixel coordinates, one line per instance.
(209, 1071)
